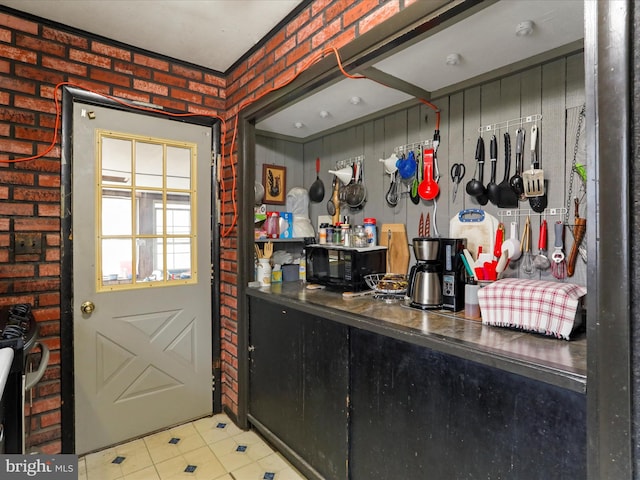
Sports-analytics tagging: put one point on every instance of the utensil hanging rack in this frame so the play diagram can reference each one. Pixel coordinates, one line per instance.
(411, 146)
(523, 212)
(510, 123)
(349, 162)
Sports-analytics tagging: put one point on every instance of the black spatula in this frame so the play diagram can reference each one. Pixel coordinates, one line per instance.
(507, 198)
(492, 187)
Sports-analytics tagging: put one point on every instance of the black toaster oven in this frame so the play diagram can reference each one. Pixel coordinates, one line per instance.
(344, 268)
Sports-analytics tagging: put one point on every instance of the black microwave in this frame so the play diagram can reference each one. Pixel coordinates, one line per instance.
(344, 268)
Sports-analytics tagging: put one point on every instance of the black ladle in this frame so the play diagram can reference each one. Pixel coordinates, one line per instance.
(516, 182)
(493, 191)
(474, 187)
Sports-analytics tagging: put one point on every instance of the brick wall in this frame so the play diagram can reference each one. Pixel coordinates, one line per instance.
(34, 58)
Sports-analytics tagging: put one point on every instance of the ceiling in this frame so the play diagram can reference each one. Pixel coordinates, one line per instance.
(485, 41)
(210, 33)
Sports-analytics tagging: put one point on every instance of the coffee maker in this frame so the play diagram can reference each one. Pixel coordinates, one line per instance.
(453, 273)
(425, 277)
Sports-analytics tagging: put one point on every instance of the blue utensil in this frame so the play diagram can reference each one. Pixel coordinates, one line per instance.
(407, 166)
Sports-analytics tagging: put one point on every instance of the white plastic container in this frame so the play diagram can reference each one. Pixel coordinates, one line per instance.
(372, 233)
(471, 303)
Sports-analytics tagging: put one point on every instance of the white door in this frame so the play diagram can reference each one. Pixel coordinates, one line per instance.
(141, 274)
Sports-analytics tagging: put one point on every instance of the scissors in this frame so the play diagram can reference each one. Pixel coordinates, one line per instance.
(457, 174)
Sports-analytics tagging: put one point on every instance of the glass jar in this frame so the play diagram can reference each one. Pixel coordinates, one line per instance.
(337, 237)
(329, 229)
(359, 236)
(322, 234)
(345, 235)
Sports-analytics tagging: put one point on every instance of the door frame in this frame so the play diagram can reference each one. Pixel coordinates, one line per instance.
(71, 95)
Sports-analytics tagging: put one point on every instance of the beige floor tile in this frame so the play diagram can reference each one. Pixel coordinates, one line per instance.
(253, 471)
(82, 469)
(256, 451)
(208, 467)
(149, 473)
(223, 447)
(136, 456)
(99, 458)
(161, 449)
(184, 431)
(235, 460)
(289, 473)
(171, 468)
(103, 474)
(100, 465)
(216, 428)
(208, 464)
(273, 463)
(248, 438)
(257, 447)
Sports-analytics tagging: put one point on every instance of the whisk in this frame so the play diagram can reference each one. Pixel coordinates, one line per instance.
(527, 261)
(559, 265)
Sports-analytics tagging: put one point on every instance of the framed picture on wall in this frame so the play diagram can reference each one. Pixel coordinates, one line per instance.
(274, 180)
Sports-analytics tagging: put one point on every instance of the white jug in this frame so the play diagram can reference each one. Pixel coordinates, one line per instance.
(264, 272)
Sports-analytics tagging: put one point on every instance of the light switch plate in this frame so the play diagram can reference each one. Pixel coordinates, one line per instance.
(25, 243)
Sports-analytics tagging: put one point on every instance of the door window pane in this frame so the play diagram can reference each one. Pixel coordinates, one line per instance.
(179, 168)
(149, 212)
(178, 258)
(116, 212)
(149, 164)
(150, 258)
(179, 214)
(116, 161)
(116, 261)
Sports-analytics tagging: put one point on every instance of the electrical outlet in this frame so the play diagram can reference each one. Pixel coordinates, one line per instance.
(25, 243)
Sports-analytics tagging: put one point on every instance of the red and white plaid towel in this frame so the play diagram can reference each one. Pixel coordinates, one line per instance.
(533, 305)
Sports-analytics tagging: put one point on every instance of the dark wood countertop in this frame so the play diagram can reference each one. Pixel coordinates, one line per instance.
(558, 362)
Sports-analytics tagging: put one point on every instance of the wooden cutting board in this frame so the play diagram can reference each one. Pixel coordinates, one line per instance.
(394, 237)
(477, 226)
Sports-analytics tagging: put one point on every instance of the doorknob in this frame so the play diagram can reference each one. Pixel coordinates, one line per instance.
(87, 307)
